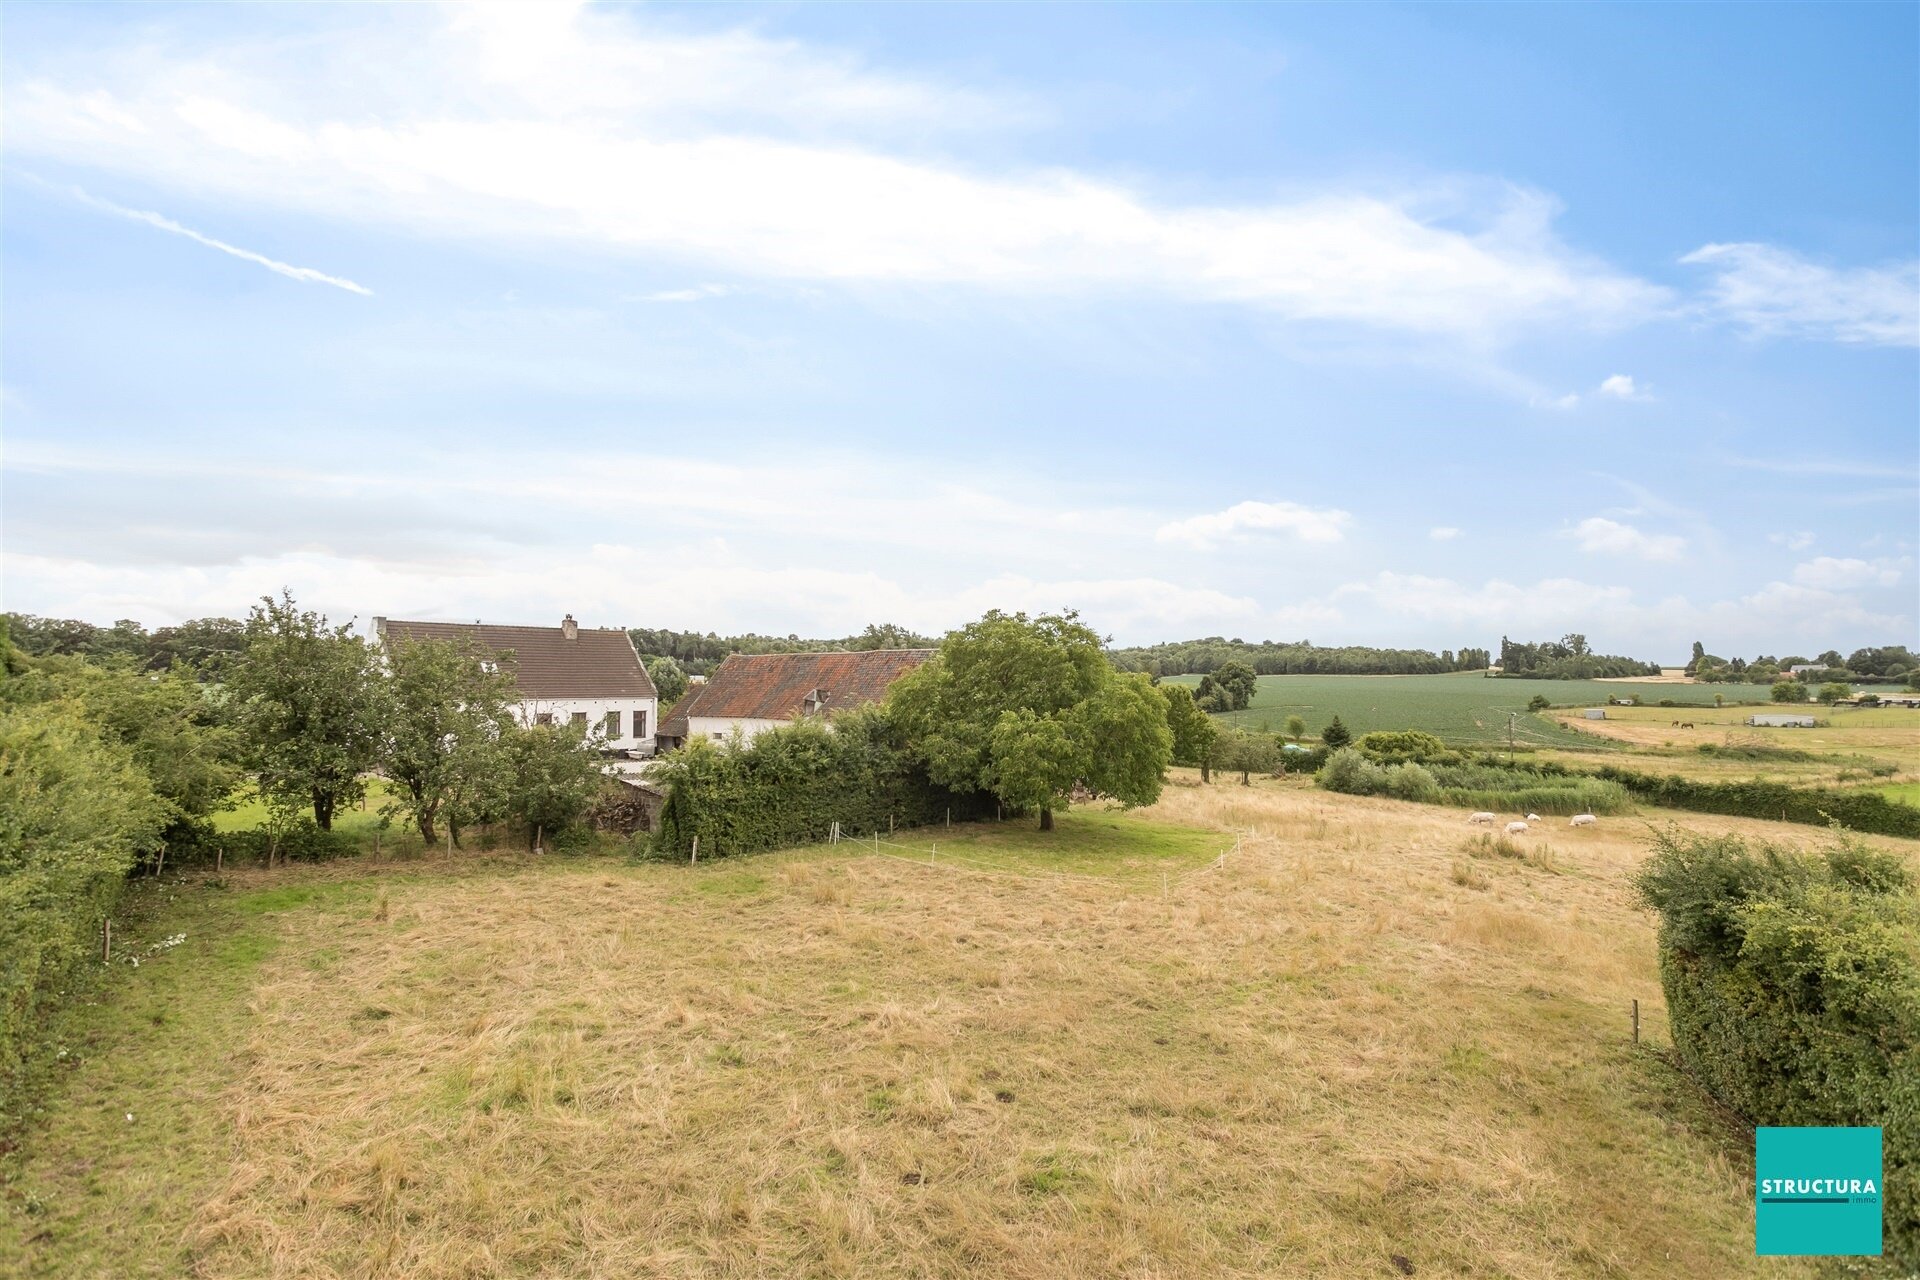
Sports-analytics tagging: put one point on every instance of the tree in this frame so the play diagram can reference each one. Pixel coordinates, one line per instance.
(307, 707)
(1789, 691)
(888, 635)
(1699, 653)
(549, 778)
(1296, 728)
(1832, 660)
(1335, 735)
(1239, 682)
(446, 708)
(975, 709)
(669, 680)
(1193, 732)
(1538, 702)
(1247, 752)
(1834, 691)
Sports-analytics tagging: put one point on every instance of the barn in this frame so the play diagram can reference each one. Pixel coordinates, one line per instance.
(752, 693)
(1595, 713)
(1780, 720)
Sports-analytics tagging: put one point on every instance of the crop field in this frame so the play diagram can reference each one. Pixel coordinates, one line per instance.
(1878, 748)
(1462, 707)
(1362, 1044)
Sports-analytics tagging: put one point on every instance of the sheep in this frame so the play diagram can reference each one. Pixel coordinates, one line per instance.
(1584, 820)
(1533, 817)
(1486, 819)
(1516, 828)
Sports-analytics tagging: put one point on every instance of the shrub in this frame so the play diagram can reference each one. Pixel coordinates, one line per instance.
(1793, 991)
(1866, 811)
(1351, 773)
(788, 786)
(1411, 782)
(1407, 744)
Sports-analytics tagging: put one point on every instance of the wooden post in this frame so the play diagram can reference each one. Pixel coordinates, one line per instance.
(1636, 1022)
(161, 869)
(949, 817)
(220, 854)
(449, 842)
(696, 852)
(889, 824)
(538, 831)
(106, 942)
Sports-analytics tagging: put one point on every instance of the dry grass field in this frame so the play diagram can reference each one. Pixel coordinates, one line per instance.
(1359, 1047)
(1668, 740)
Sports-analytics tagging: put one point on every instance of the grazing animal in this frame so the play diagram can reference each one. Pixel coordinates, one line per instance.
(1533, 817)
(1485, 818)
(1516, 828)
(1686, 724)
(1583, 820)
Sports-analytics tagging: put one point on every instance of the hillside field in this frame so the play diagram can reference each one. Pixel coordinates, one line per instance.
(1461, 707)
(1357, 1046)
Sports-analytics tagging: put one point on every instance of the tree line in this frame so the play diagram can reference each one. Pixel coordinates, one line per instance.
(1883, 664)
(1567, 658)
(1299, 657)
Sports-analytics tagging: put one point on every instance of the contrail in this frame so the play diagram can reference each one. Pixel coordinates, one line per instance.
(246, 255)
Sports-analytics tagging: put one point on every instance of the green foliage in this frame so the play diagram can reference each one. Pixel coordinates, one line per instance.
(1567, 659)
(1538, 702)
(669, 679)
(1386, 746)
(1230, 688)
(549, 778)
(1246, 753)
(1193, 732)
(788, 786)
(1865, 811)
(697, 654)
(1336, 734)
(1789, 691)
(1052, 668)
(1301, 657)
(307, 707)
(445, 712)
(1833, 692)
(1474, 786)
(75, 810)
(1793, 991)
(198, 646)
(1296, 728)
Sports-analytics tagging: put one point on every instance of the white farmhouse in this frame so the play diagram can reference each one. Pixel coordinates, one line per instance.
(591, 676)
(756, 692)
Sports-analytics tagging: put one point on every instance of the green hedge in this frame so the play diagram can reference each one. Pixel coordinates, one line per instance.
(302, 841)
(1793, 992)
(1866, 811)
(788, 786)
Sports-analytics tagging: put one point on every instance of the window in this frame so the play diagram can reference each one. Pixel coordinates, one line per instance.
(639, 724)
(580, 718)
(544, 717)
(719, 737)
(613, 724)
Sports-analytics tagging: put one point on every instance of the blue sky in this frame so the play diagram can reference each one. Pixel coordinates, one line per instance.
(1360, 324)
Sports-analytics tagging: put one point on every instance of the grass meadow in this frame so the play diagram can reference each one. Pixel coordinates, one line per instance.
(1461, 707)
(1370, 1041)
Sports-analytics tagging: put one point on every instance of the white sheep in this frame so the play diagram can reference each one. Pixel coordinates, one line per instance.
(1533, 817)
(1584, 820)
(1516, 828)
(1483, 818)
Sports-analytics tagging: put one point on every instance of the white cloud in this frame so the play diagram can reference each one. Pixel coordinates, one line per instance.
(304, 274)
(1621, 387)
(1565, 402)
(1443, 533)
(1792, 541)
(1610, 537)
(593, 127)
(1245, 519)
(1550, 605)
(1834, 574)
(1773, 291)
(698, 293)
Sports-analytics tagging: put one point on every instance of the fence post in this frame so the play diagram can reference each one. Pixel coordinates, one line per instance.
(949, 817)
(696, 852)
(1636, 1022)
(106, 941)
(220, 854)
(161, 868)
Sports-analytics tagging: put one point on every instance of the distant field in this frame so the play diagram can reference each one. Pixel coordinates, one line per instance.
(1460, 707)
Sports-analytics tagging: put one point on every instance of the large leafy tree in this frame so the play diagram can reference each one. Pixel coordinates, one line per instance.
(549, 778)
(1026, 708)
(669, 679)
(447, 707)
(306, 701)
(1193, 732)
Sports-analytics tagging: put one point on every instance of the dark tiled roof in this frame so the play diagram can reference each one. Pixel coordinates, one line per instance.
(599, 662)
(674, 723)
(775, 686)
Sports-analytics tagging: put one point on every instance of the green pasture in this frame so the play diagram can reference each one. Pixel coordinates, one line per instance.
(356, 823)
(1461, 707)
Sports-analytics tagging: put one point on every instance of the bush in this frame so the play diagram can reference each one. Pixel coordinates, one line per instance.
(1866, 811)
(78, 810)
(788, 786)
(1411, 782)
(1793, 991)
(1349, 772)
(1406, 744)
(301, 841)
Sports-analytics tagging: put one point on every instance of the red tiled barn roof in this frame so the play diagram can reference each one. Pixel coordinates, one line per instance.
(775, 686)
(599, 662)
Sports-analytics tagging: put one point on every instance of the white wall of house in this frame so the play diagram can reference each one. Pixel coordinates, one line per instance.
(713, 729)
(596, 710)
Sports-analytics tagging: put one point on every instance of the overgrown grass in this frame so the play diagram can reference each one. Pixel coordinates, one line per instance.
(1328, 1053)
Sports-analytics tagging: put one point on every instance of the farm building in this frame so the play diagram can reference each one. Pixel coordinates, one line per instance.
(757, 692)
(1595, 713)
(590, 676)
(1780, 720)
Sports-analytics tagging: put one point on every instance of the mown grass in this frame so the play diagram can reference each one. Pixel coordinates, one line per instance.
(1325, 1054)
(357, 823)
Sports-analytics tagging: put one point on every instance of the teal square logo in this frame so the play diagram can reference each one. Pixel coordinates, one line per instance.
(1816, 1192)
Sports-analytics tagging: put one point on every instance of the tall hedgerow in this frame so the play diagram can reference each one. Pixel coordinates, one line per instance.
(1793, 991)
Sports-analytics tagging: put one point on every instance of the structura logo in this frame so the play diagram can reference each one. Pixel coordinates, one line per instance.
(1817, 1191)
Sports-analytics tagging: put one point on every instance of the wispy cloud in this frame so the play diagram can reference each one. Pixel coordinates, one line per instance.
(1774, 291)
(1611, 537)
(1244, 520)
(1443, 533)
(305, 274)
(698, 293)
(1833, 573)
(1621, 386)
(1792, 541)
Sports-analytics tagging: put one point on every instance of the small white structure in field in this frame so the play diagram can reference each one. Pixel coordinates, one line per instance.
(1595, 713)
(1516, 828)
(1583, 820)
(1484, 818)
(1777, 720)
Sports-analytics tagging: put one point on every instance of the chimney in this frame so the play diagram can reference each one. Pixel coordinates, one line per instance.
(569, 628)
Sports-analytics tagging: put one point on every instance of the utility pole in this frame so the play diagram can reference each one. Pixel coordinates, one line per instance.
(1511, 717)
